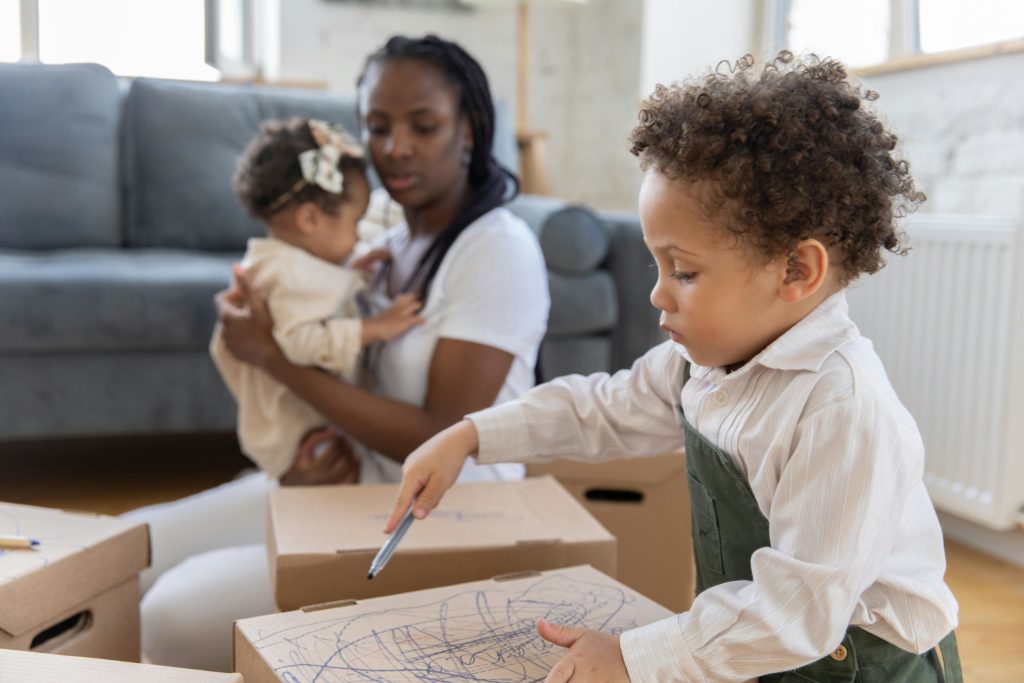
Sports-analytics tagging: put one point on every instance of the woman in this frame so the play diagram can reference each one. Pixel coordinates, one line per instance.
(428, 125)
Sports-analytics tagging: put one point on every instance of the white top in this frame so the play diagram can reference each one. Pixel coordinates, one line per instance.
(491, 289)
(316, 323)
(835, 462)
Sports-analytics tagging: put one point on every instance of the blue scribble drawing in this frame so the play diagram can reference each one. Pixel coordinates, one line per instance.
(486, 635)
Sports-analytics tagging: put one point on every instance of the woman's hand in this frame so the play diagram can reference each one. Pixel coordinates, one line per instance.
(593, 657)
(246, 324)
(431, 470)
(325, 457)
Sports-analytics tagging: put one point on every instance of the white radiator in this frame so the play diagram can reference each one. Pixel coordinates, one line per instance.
(948, 322)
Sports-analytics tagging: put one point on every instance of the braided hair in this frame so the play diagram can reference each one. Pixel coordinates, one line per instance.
(492, 184)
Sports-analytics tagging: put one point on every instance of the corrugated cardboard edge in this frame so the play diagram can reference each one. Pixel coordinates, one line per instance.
(247, 661)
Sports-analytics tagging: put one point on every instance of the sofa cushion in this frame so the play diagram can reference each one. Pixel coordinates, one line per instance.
(58, 156)
(572, 238)
(181, 144)
(581, 304)
(98, 299)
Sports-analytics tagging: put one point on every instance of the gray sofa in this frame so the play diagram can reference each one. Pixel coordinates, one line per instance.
(118, 224)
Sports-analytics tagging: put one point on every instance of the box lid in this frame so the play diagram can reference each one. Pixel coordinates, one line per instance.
(79, 555)
(45, 668)
(482, 630)
(614, 473)
(344, 519)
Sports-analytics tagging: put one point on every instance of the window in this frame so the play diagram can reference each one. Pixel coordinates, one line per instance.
(864, 33)
(10, 31)
(953, 24)
(856, 33)
(154, 38)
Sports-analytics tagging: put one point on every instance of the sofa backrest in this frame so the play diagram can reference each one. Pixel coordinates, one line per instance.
(180, 145)
(58, 156)
(182, 141)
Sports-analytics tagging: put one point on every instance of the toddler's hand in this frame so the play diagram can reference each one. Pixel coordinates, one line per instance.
(593, 657)
(431, 470)
(393, 322)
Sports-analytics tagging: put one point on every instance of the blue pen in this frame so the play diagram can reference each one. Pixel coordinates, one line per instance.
(389, 546)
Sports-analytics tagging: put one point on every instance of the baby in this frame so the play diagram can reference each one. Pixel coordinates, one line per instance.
(306, 181)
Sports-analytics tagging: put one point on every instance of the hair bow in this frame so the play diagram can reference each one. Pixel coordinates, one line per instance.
(320, 165)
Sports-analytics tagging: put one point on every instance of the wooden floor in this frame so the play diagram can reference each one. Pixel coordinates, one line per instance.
(111, 476)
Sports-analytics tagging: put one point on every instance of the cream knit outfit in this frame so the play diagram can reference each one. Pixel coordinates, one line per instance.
(316, 323)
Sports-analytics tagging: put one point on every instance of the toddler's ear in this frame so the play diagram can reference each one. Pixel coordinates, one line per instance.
(306, 217)
(805, 271)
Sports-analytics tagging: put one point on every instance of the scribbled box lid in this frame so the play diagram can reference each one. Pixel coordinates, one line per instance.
(47, 668)
(483, 630)
(79, 555)
(322, 539)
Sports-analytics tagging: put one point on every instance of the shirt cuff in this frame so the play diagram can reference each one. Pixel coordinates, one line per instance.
(656, 652)
(501, 433)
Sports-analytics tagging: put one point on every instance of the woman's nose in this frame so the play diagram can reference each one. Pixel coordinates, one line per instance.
(398, 145)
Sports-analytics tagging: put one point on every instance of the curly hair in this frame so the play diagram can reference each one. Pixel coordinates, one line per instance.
(269, 169)
(788, 154)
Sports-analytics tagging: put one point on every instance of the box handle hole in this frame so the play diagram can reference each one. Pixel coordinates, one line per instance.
(614, 495)
(62, 632)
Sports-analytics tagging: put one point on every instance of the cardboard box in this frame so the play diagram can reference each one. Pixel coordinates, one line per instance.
(38, 667)
(479, 631)
(77, 592)
(645, 503)
(322, 539)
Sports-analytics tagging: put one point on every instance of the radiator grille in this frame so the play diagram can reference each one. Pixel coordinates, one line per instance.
(947, 322)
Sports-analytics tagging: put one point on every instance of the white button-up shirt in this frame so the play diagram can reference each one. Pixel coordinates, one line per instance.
(835, 463)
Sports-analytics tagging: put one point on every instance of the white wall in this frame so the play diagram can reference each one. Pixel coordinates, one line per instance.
(682, 38)
(591, 163)
(589, 67)
(962, 126)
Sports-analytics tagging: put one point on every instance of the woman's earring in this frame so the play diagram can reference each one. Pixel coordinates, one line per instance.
(467, 157)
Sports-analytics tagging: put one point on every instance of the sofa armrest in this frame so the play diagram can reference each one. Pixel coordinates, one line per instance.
(631, 266)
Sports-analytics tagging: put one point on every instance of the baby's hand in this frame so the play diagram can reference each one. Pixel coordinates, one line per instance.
(593, 657)
(367, 261)
(393, 322)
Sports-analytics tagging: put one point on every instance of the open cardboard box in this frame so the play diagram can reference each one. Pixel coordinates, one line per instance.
(322, 539)
(45, 668)
(645, 503)
(478, 631)
(77, 592)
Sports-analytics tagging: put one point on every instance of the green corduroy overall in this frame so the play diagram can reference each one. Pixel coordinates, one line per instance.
(728, 527)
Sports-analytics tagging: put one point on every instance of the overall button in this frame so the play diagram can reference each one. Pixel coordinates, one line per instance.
(720, 397)
(839, 654)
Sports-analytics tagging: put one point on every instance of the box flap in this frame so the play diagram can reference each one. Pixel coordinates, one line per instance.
(639, 471)
(328, 520)
(459, 632)
(79, 556)
(567, 520)
(45, 668)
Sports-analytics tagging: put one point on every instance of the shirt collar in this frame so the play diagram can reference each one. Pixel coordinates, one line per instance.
(805, 346)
